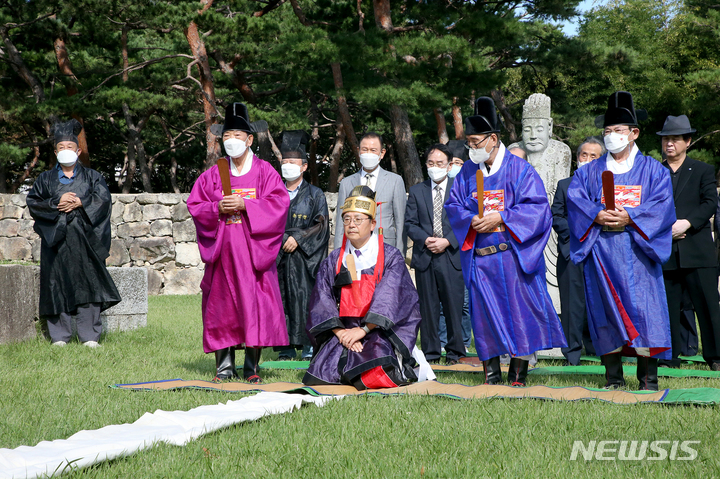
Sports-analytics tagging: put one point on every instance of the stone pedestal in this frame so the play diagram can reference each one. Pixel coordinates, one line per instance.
(131, 312)
(19, 297)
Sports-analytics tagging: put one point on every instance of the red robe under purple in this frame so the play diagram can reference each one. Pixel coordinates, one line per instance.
(241, 295)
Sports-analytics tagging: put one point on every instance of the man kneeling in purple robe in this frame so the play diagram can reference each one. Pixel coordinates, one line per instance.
(239, 236)
(502, 254)
(364, 311)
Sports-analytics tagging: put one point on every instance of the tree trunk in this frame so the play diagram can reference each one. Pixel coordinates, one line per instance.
(383, 20)
(344, 112)
(237, 79)
(197, 46)
(499, 99)
(406, 151)
(173, 159)
(65, 67)
(265, 146)
(314, 138)
(33, 163)
(458, 120)
(335, 157)
(441, 126)
(131, 165)
(138, 148)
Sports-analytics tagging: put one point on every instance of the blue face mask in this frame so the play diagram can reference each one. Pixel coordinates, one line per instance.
(454, 171)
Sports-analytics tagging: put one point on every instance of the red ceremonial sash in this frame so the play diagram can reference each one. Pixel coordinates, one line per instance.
(355, 298)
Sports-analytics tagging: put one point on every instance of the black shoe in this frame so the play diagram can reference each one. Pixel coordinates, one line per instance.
(647, 373)
(518, 372)
(451, 362)
(613, 370)
(252, 362)
(493, 374)
(284, 358)
(225, 364)
(715, 367)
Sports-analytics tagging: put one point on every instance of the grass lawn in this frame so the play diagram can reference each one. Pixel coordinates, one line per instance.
(50, 393)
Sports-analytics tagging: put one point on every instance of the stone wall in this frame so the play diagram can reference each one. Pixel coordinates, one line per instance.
(152, 231)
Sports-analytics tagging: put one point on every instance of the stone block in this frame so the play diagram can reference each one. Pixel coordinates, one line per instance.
(183, 281)
(133, 230)
(161, 228)
(133, 212)
(180, 212)
(12, 211)
(9, 227)
(15, 249)
(26, 229)
(169, 198)
(118, 210)
(152, 250)
(125, 198)
(26, 214)
(19, 297)
(147, 199)
(185, 197)
(184, 231)
(155, 282)
(4, 199)
(187, 254)
(156, 212)
(131, 312)
(331, 199)
(118, 253)
(19, 200)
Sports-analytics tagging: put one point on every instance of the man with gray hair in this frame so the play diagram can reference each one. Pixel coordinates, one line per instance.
(573, 313)
(305, 242)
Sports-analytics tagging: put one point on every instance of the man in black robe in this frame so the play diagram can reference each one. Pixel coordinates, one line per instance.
(305, 243)
(71, 207)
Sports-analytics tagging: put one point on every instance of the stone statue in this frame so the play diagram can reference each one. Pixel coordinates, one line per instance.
(551, 159)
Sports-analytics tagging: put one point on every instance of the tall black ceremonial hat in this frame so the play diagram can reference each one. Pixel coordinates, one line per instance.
(676, 125)
(293, 144)
(67, 131)
(458, 149)
(485, 119)
(620, 111)
(237, 118)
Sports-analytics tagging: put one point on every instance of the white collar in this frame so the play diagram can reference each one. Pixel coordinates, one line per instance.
(246, 166)
(497, 163)
(625, 166)
(368, 254)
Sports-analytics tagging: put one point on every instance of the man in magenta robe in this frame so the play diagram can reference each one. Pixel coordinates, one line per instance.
(239, 237)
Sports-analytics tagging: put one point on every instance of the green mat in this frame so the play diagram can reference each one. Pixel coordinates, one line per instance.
(595, 359)
(548, 370)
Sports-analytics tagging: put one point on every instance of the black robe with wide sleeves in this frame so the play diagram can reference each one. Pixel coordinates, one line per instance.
(75, 244)
(307, 222)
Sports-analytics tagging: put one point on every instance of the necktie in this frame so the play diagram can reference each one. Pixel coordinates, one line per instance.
(437, 212)
(367, 179)
(357, 253)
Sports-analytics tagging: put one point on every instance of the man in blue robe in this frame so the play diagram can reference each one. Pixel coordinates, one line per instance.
(623, 250)
(502, 251)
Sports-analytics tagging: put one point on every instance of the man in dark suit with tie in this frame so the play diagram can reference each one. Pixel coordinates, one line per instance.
(436, 258)
(389, 191)
(573, 313)
(692, 265)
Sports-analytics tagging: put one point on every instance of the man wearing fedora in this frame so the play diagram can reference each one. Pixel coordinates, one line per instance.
(622, 250)
(692, 265)
(502, 250)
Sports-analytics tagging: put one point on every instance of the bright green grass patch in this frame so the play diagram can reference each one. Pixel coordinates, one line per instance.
(50, 393)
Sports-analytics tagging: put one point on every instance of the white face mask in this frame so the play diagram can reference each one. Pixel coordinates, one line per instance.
(290, 171)
(437, 174)
(583, 163)
(454, 171)
(369, 160)
(67, 157)
(615, 142)
(480, 155)
(234, 147)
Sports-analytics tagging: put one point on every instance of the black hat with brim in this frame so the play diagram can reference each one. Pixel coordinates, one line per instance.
(620, 111)
(457, 147)
(237, 118)
(293, 144)
(485, 119)
(676, 125)
(67, 131)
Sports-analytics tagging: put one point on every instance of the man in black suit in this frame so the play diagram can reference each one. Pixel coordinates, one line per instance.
(436, 258)
(692, 265)
(573, 313)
